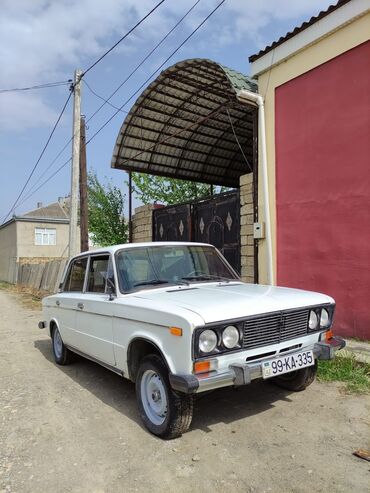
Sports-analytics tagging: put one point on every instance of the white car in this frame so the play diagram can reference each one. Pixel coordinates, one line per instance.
(176, 319)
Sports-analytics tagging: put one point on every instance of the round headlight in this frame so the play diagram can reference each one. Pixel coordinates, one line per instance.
(207, 341)
(230, 337)
(313, 320)
(324, 318)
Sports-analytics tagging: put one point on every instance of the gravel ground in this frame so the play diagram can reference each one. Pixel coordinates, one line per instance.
(76, 429)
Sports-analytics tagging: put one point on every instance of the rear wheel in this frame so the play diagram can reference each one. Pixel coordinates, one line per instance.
(165, 413)
(62, 354)
(297, 380)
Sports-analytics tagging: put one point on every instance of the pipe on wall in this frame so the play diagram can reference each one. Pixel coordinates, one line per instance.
(248, 97)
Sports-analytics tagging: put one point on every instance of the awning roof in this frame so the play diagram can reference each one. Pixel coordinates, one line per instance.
(180, 126)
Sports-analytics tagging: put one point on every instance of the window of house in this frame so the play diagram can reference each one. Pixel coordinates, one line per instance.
(76, 275)
(98, 273)
(45, 236)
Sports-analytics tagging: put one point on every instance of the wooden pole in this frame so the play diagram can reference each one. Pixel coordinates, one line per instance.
(84, 214)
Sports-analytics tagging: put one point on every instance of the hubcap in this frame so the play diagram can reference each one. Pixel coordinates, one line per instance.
(58, 344)
(153, 397)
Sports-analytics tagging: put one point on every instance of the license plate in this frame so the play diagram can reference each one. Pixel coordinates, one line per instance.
(285, 364)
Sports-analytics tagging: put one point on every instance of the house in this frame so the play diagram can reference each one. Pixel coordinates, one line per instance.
(316, 85)
(34, 237)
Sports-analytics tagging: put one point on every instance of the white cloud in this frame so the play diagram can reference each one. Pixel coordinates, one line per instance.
(43, 40)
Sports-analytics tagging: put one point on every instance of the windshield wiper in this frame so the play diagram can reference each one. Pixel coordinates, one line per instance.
(206, 277)
(151, 282)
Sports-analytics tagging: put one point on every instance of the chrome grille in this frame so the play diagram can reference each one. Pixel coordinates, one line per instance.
(274, 328)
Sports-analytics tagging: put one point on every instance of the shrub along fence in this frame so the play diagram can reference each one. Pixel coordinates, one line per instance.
(42, 277)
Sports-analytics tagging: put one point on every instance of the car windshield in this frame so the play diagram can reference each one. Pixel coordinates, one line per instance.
(144, 267)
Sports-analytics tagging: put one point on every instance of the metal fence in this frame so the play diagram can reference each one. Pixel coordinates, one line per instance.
(44, 277)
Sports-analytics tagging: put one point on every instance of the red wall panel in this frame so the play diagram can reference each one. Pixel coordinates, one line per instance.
(322, 131)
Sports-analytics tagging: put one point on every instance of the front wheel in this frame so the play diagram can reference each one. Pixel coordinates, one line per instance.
(297, 380)
(165, 413)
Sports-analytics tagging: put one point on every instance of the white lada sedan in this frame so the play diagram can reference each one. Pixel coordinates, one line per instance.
(176, 319)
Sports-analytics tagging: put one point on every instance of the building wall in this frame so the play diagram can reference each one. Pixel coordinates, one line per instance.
(325, 49)
(8, 253)
(26, 240)
(322, 186)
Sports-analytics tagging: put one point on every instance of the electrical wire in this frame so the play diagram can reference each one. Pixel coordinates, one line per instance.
(39, 86)
(148, 55)
(122, 38)
(237, 141)
(106, 101)
(39, 158)
(158, 68)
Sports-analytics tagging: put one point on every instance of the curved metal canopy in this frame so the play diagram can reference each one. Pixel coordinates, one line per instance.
(189, 124)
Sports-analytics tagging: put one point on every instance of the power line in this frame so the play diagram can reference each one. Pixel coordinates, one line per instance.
(106, 101)
(39, 86)
(158, 68)
(148, 55)
(122, 38)
(40, 156)
(237, 141)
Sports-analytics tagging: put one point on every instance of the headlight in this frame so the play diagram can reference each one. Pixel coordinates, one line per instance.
(324, 319)
(313, 321)
(207, 341)
(230, 337)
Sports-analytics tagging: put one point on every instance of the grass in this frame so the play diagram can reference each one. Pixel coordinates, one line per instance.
(30, 298)
(355, 374)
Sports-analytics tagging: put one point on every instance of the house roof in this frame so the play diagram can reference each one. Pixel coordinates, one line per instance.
(51, 211)
(298, 29)
(189, 124)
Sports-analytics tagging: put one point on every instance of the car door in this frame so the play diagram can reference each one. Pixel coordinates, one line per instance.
(95, 311)
(67, 300)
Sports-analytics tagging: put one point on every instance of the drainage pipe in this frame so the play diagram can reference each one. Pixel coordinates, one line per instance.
(248, 97)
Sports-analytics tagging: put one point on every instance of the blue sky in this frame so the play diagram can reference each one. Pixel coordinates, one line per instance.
(45, 40)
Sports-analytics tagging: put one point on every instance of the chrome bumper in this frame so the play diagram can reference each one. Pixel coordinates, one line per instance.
(242, 374)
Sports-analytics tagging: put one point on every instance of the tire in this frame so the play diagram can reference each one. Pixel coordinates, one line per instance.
(297, 380)
(164, 412)
(62, 354)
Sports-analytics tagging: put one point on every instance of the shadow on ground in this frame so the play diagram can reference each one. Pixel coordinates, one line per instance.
(226, 405)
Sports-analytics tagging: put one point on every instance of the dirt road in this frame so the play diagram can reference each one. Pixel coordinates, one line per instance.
(76, 429)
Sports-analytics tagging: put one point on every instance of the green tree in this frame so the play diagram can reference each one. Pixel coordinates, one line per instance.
(168, 191)
(106, 204)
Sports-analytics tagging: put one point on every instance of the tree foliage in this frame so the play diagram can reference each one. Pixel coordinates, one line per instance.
(167, 191)
(106, 204)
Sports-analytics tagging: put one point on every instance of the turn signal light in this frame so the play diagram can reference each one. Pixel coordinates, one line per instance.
(329, 335)
(176, 331)
(202, 366)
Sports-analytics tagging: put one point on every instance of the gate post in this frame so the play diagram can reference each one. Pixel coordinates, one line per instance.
(246, 228)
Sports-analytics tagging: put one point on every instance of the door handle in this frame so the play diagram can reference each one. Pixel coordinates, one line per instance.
(80, 306)
(57, 302)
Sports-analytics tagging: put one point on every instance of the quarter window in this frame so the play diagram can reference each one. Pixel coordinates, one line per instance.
(45, 236)
(98, 273)
(76, 275)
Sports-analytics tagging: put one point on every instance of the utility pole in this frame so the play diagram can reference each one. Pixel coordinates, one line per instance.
(84, 218)
(73, 231)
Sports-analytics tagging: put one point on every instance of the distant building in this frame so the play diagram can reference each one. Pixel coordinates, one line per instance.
(37, 236)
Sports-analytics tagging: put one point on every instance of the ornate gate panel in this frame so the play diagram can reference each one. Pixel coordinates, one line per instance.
(215, 220)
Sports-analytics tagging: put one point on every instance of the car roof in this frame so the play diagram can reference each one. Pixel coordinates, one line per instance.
(114, 248)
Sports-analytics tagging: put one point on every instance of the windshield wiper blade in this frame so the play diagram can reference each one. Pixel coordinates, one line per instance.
(207, 277)
(151, 282)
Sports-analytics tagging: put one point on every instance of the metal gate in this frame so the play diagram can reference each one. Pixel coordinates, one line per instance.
(215, 220)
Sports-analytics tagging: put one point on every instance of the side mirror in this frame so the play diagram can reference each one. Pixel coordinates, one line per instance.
(111, 289)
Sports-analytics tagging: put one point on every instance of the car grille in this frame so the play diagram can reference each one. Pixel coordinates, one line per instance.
(274, 328)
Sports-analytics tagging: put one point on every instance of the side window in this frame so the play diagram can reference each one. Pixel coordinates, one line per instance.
(98, 273)
(76, 275)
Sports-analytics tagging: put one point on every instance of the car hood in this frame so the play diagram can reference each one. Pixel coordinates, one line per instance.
(222, 301)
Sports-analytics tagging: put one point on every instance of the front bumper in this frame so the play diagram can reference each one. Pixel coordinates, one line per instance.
(243, 374)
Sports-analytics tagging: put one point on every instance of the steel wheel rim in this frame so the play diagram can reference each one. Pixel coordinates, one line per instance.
(58, 344)
(154, 397)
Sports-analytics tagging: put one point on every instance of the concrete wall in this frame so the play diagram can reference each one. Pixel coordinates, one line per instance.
(246, 228)
(8, 253)
(334, 44)
(26, 240)
(142, 223)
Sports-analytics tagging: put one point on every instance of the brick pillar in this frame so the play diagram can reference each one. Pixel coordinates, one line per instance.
(246, 228)
(142, 223)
